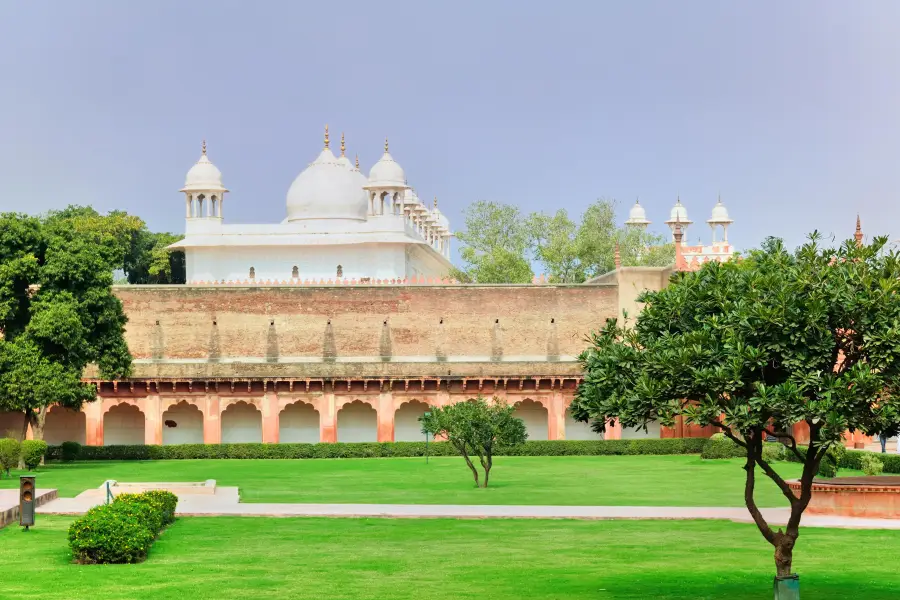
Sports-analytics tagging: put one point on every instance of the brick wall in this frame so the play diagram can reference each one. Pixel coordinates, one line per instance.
(196, 322)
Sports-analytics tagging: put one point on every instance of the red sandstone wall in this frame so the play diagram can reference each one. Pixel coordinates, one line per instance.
(179, 322)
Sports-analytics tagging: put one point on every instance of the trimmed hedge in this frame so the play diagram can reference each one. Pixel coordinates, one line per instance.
(719, 446)
(121, 532)
(852, 459)
(381, 449)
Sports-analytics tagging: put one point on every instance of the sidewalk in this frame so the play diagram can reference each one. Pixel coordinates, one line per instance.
(226, 502)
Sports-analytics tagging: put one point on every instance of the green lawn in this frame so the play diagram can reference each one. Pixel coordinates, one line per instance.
(259, 558)
(569, 480)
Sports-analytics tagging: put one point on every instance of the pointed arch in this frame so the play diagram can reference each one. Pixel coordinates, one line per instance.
(357, 421)
(241, 423)
(182, 424)
(123, 425)
(298, 422)
(407, 427)
(536, 419)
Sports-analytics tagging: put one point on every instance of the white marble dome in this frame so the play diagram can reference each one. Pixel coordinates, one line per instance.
(204, 176)
(719, 213)
(387, 172)
(637, 215)
(678, 212)
(326, 189)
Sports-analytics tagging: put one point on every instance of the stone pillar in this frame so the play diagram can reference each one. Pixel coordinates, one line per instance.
(152, 420)
(270, 418)
(556, 417)
(613, 430)
(386, 416)
(212, 419)
(328, 416)
(93, 418)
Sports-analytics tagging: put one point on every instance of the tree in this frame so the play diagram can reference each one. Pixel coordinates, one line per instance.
(499, 241)
(57, 310)
(758, 346)
(495, 245)
(476, 427)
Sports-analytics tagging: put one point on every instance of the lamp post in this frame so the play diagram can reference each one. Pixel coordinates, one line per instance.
(425, 431)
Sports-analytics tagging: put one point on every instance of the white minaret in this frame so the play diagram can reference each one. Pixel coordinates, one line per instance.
(679, 215)
(721, 219)
(386, 186)
(637, 216)
(203, 190)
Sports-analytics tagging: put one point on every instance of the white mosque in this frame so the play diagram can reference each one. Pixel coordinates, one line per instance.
(340, 225)
(694, 255)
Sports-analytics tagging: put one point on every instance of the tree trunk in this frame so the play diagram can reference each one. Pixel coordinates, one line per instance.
(487, 469)
(784, 553)
(37, 423)
(461, 448)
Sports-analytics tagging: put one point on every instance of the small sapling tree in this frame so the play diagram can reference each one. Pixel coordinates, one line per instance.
(775, 343)
(476, 428)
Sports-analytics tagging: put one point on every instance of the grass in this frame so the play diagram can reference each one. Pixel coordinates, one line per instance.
(262, 558)
(570, 480)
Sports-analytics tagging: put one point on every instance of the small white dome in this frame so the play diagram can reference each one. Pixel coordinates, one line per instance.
(637, 215)
(326, 190)
(387, 172)
(678, 213)
(204, 176)
(719, 214)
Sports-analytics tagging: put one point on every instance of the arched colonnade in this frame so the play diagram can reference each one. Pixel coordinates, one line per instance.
(274, 418)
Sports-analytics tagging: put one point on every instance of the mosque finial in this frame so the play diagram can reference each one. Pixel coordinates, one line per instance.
(326, 135)
(435, 201)
(357, 162)
(385, 145)
(343, 147)
(204, 147)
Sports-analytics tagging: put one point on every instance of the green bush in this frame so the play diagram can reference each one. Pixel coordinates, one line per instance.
(774, 452)
(871, 464)
(831, 462)
(69, 451)
(382, 449)
(112, 533)
(718, 446)
(141, 508)
(33, 452)
(162, 502)
(853, 459)
(9, 454)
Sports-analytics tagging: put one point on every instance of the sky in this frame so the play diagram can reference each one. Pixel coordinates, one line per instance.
(789, 110)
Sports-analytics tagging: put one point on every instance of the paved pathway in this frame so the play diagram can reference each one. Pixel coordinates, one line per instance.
(225, 502)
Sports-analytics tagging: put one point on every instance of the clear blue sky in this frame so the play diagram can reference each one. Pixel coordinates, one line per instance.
(790, 109)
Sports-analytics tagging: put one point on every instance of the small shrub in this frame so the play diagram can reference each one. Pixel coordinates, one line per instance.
(160, 501)
(33, 452)
(112, 533)
(831, 462)
(137, 506)
(871, 465)
(718, 446)
(9, 454)
(774, 452)
(69, 451)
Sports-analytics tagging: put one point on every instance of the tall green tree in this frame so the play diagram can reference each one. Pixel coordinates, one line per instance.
(755, 347)
(500, 244)
(495, 245)
(476, 428)
(57, 310)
